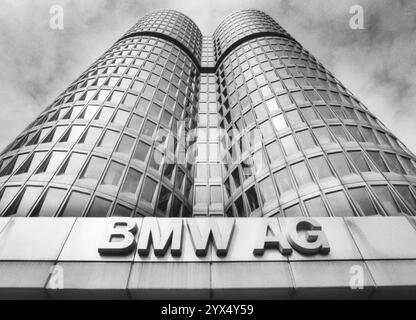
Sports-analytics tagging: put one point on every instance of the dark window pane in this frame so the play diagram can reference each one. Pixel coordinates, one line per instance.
(389, 204)
(99, 208)
(252, 199)
(407, 196)
(359, 161)
(24, 202)
(164, 198)
(267, 191)
(114, 174)
(149, 190)
(94, 169)
(75, 205)
(122, 211)
(142, 151)
(132, 181)
(320, 167)
(376, 157)
(283, 181)
(362, 199)
(294, 211)
(340, 204)
(301, 173)
(340, 164)
(316, 207)
(73, 164)
(50, 203)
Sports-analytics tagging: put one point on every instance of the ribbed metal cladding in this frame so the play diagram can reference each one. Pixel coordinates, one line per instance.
(297, 142)
(113, 143)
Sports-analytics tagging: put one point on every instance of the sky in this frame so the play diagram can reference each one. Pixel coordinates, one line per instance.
(377, 63)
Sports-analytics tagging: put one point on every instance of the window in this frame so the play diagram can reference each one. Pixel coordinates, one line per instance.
(362, 200)
(289, 145)
(32, 163)
(73, 165)
(376, 157)
(135, 122)
(121, 211)
(99, 208)
(239, 205)
(52, 162)
(283, 181)
(340, 204)
(272, 105)
(279, 122)
(50, 203)
(369, 135)
(115, 97)
(109, 139)
(126, 144)
(305, 139)
(75, 204)
(179, 179)
(94, 169)
(149, 129)
(176, 207)
(355, 133)
(316, 207)
(340, 133)
(301, 173)
(105, 114)
(387, 201)
(266, 130)
(236, 178)
(54, 135)
(340, 164)
(156, 160)
(73, 134)
(114, 174)
(142, 151)
(148, 190)
(252, 199)
(13, 164)
(215, 171)
(393, 163)
(274, 152)
(359, 160)
(164, 198)
(408, 165)
(216, 194)
(132, 181)
(201, 195)
(121, 117)
(309, 114)
(24, 202)
(90, 137)
(407, 196)
(267, 192)
(7, 195)
(294, 211)
(89, 112)
(323, 135)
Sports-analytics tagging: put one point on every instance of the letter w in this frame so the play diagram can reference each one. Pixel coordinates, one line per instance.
(162, 234)
(211, 232)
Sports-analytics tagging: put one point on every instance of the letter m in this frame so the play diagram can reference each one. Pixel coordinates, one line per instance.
(162, 233)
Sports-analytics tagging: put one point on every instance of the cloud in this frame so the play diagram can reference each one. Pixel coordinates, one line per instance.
(377, 64)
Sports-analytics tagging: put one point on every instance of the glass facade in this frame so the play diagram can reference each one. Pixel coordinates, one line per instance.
(243, 123)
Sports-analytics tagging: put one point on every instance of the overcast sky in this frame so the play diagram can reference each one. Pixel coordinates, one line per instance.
(377, 64)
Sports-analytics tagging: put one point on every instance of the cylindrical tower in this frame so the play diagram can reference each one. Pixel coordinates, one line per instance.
(112, 144)
(297, 141)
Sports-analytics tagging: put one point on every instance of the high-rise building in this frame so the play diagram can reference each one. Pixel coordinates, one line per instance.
(244, 123)
(170, 123)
